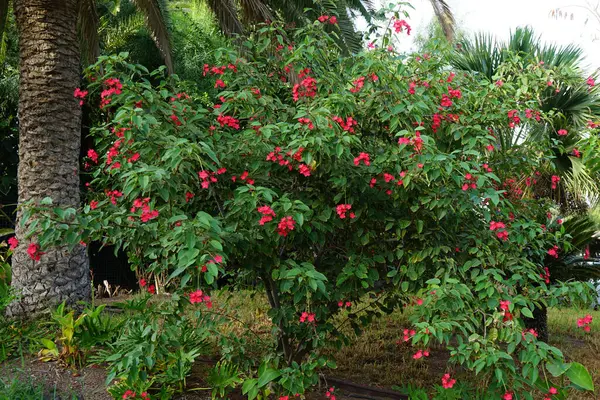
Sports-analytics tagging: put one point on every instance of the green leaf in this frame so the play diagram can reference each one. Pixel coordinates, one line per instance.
(267, 376)
(527, 312)
(557, 369)
(580, 377)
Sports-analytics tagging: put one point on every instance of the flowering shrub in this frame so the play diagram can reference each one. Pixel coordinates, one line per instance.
(327, 179)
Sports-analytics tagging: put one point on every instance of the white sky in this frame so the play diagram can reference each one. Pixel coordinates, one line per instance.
(499, 17)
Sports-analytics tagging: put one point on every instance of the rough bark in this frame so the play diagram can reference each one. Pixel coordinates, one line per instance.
(49, 142)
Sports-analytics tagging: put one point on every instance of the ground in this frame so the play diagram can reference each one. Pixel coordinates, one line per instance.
(374, 359)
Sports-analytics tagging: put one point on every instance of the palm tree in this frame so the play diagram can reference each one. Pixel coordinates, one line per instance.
(49, 135)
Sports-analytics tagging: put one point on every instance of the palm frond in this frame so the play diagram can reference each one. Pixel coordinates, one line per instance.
(579, 182)
(87, 25)
(227, 16)
(255, 11)
(156, 18)
(479, 54)
(445, 17)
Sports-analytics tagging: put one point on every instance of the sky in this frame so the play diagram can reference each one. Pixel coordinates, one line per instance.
(500, 17)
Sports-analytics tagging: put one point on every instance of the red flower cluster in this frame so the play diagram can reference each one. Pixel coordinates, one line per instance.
(514, 118)
(306, 88)
(267, 214)
(113, 151)
(347, 125)
(130, 394)
(526, 331)
(207, 178)
(545, 275)
(446, 101)
(555, 180)
(470, 182)
(34, 252)
(342, 209)
(447, 381)
(590, 82)
(113, 195)
(533, 114)
(505, 307)
(500, 227)
(407, 334)
(420, 354)
(147, 213)
(220, 84)
(326, 18)
(229, 121)
(347, 304)
(357, 84)
(507, 396)
(399, 26)
(13, 242)
(562, 132)
(551, 392)
(214, 70)
(114, 86)
(307, 122)
(286, 225)
(80, 94)
(93, 204)
(189, 196)
(585, 323)
(307, 317)
(243, 177)
(199, 297)
(576, 153)
(553, 252)
(176, 120)
(364, 157)
(417, 142)
(276, 157)
(330, 394)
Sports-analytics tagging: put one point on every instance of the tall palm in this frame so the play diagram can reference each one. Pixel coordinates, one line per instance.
(49, 135)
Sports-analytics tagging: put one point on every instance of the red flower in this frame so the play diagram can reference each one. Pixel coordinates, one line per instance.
(134, 158)
(555, 180)
(196, 297)
(189, 196)
(267, 214)
(358, 84)
(364, 157)
(286, 225)
(142, 282)
(93, 204)
(34, 252)
(152, 289)
(448, 382)
(342, 209)
(323, 18)
(553, 252)
(80, 94)
(307, 317)
(399, 26)
(93, 155)
(590, 81)
(220, 84)
(13, 242)
(507, 396)
(333, 20)
(562, 132)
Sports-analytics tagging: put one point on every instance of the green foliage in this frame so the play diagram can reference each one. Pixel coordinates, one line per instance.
(325, 179)
(156, 347)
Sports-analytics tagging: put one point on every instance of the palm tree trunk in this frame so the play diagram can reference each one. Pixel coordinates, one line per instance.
(49, 145)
